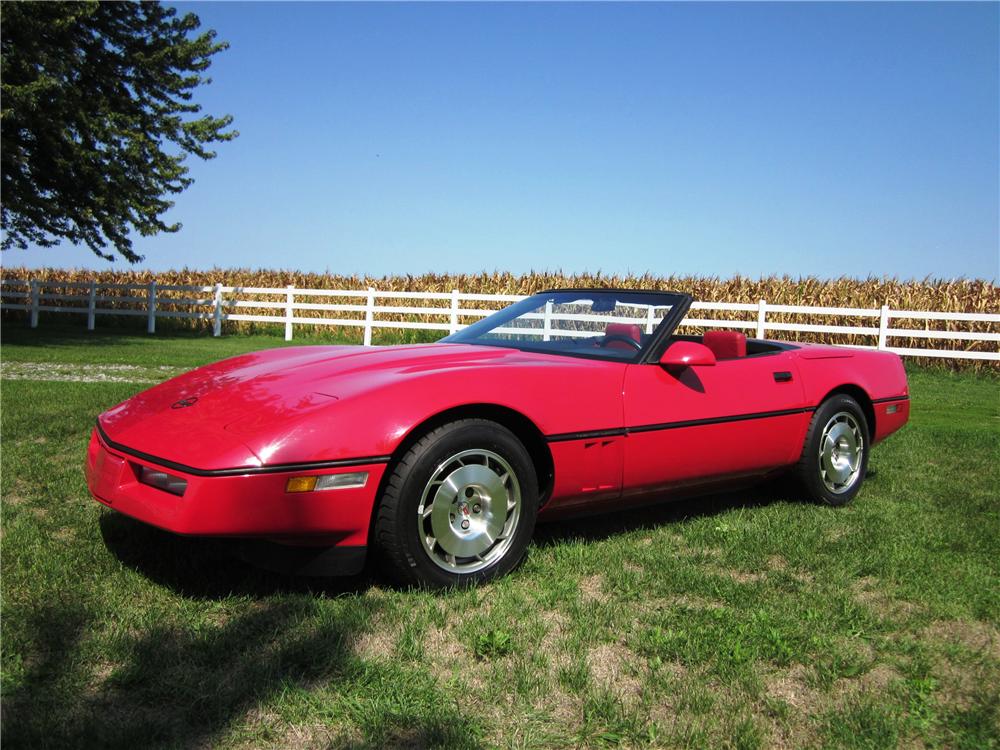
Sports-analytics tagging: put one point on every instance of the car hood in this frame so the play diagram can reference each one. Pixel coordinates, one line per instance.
(217, 416)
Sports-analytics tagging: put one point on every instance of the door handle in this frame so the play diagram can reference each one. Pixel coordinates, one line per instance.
(782, 377)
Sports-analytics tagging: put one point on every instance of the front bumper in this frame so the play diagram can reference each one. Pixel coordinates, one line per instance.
(245, 505)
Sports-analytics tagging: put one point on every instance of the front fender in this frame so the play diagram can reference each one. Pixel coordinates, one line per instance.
(374, 420)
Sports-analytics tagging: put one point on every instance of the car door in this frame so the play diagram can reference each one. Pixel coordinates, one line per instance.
(735, 418)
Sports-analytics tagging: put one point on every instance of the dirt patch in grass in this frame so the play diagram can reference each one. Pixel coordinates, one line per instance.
(664, 711)
(560, 712)
(445, 653)
(873, 682)
(792, 686)
(740, 576)
(483, 605)
(803, 576)
(857, 646)
(64, 534)
(979, 637)
(617, 668)
(378, 642)
(796, 730)
(452, 662)
(564, 709)
(871, 593)
(101, 673)
(683, 548)
(879, 678)
(778, 564)
(556, 624)
(697, 602)
(267, 726)
(836, 533)
(959, 685)
(795, 727)
(745, 576)
(309, 736)
(218, 618)
(592, 589)
(795, 687)
(555, 621)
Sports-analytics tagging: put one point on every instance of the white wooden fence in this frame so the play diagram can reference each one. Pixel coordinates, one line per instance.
(369, 309)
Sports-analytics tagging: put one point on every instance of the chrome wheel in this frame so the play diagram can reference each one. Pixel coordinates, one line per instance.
(841, 450)
(469, 510)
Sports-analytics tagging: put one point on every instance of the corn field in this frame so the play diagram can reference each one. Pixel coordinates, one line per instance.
(968, 296)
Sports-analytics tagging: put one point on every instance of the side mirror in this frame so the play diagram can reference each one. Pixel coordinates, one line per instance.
(687, 354)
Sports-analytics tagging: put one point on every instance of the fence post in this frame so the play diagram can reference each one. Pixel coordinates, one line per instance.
(34, 304)
(289, 311)
(92, 306)
(761, 314)
(369, 315)
(547, 322)
(217, 312)
(151, 307)
(883, 326)
(650, 319)
(454, 311)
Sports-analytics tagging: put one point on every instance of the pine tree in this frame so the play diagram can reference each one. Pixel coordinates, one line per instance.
(96, 119)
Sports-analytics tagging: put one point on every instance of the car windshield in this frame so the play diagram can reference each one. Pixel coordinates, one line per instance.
(602, 324)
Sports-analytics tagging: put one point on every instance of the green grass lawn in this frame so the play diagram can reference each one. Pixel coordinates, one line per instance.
(743, 620)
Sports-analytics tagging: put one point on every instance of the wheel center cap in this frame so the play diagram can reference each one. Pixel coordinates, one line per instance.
(470, 510)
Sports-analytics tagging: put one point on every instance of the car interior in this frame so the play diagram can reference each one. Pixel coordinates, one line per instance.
(725, 345)
(519, 326)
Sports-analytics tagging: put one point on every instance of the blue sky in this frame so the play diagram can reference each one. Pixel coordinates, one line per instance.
(714, 139)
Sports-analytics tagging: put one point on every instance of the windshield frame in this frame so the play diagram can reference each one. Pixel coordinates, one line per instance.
(679, 303)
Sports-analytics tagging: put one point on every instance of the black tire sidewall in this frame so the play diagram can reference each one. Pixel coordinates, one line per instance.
(465, 435)
(809, 469)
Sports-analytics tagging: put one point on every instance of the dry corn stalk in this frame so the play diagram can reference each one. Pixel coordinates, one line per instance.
(929, 294)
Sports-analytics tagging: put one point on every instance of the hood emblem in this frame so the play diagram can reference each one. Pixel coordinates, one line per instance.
(184, 402)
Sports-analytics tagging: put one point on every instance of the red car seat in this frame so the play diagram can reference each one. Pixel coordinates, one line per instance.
(627, 330)
(726, 344)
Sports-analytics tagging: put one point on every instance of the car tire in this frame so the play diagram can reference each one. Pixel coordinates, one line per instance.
(834, 457)
(458, 508)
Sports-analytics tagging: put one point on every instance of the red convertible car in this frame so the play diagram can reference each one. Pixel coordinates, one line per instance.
(440, 457)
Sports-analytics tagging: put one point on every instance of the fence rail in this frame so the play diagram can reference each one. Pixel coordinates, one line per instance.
(361, 308)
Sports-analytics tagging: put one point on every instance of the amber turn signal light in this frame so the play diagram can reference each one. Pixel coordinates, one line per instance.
(350, 480)
(301, 484)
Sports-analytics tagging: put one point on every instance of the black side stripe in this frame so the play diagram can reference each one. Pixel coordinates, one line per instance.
(719, 420)
(586, 435)
(890, 398)
(240, 471)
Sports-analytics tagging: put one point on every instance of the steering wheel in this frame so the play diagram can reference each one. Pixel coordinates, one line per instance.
(609, 337)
